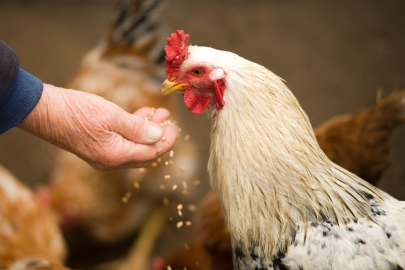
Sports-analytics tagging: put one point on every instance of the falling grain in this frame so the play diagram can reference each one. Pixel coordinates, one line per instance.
(184, 192)
(182, 169)
(154, 164)
(162, 187)
(174, 187)
(188, 223)
(159, 160)
(169, 267)
(167, 176)
(179, 207)
(136, 185)
(179, 224)
(126, 197)
(159, 149)
(186, 246)
(152, 112)
(171, 162)
(141, 170)
(192, 207)
(166, 163)
(171, 153)
(187, 137)
(165, 201)
(184, 183)
(163, 139)
(196, 182)
(179, 213)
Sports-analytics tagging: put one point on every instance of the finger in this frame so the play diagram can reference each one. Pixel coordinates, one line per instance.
(140, 155)
(156, 115)
(137, 129)
(160, 115)
(144, 112)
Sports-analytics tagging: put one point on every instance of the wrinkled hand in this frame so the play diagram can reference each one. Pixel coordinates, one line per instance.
(99, 131)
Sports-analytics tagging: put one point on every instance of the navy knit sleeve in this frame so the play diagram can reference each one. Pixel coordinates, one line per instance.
(19, 90)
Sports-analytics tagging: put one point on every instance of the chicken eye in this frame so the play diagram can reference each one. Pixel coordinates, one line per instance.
(197, 72)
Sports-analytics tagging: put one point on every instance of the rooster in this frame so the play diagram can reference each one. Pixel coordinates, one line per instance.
(125, 68)
(287, 205)
(359, 142)
(29, 235)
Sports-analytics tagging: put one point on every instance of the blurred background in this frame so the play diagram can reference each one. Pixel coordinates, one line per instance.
(334, 55)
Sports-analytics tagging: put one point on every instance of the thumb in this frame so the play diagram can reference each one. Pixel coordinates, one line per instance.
(137, 129)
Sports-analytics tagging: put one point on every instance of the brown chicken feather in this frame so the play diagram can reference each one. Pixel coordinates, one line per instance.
(29, 235)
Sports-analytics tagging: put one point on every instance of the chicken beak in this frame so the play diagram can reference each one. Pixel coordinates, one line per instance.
(170, 85)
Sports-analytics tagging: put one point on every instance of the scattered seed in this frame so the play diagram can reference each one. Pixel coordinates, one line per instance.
(171, 162)
(188, 223)
(162, 187)
(165, 201)
(182, 169)
(179, 207)
(196, 182)
(167, 176)
(192, 207)
(126, 197)
(163, 139)
(185, 268)
(187, 137)
(136, 185)
(180, 213)
(184, 184)
(152, 112)
(174, 187)
(141, 170)
(171, 153)
(186, 246)
(159, 160)
(171, 219)
(154, 164)
(159, 149)
(185, 192)
(169, 267)
(197, 263)
(179, 224)
(166, 163)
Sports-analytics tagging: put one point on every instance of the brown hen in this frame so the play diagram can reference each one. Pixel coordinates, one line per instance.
(127, 69)
(29, 234)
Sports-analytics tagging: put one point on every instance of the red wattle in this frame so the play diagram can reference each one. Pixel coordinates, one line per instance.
(219, 92)
(195, 103)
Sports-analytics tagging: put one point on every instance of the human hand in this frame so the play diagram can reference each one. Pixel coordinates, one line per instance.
(98, 131)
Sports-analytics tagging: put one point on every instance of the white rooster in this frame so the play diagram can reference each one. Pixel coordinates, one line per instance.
(286, 204)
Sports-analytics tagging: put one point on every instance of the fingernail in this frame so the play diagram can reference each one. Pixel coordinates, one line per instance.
(154, 132)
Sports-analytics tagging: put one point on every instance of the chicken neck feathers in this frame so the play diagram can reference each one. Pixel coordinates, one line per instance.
(280, 193)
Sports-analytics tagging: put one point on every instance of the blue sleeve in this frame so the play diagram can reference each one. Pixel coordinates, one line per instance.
(19, 90)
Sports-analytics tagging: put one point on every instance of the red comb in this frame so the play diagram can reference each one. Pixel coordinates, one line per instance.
(176, 52)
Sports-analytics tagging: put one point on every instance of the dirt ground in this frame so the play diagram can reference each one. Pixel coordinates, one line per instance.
(334, 55)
